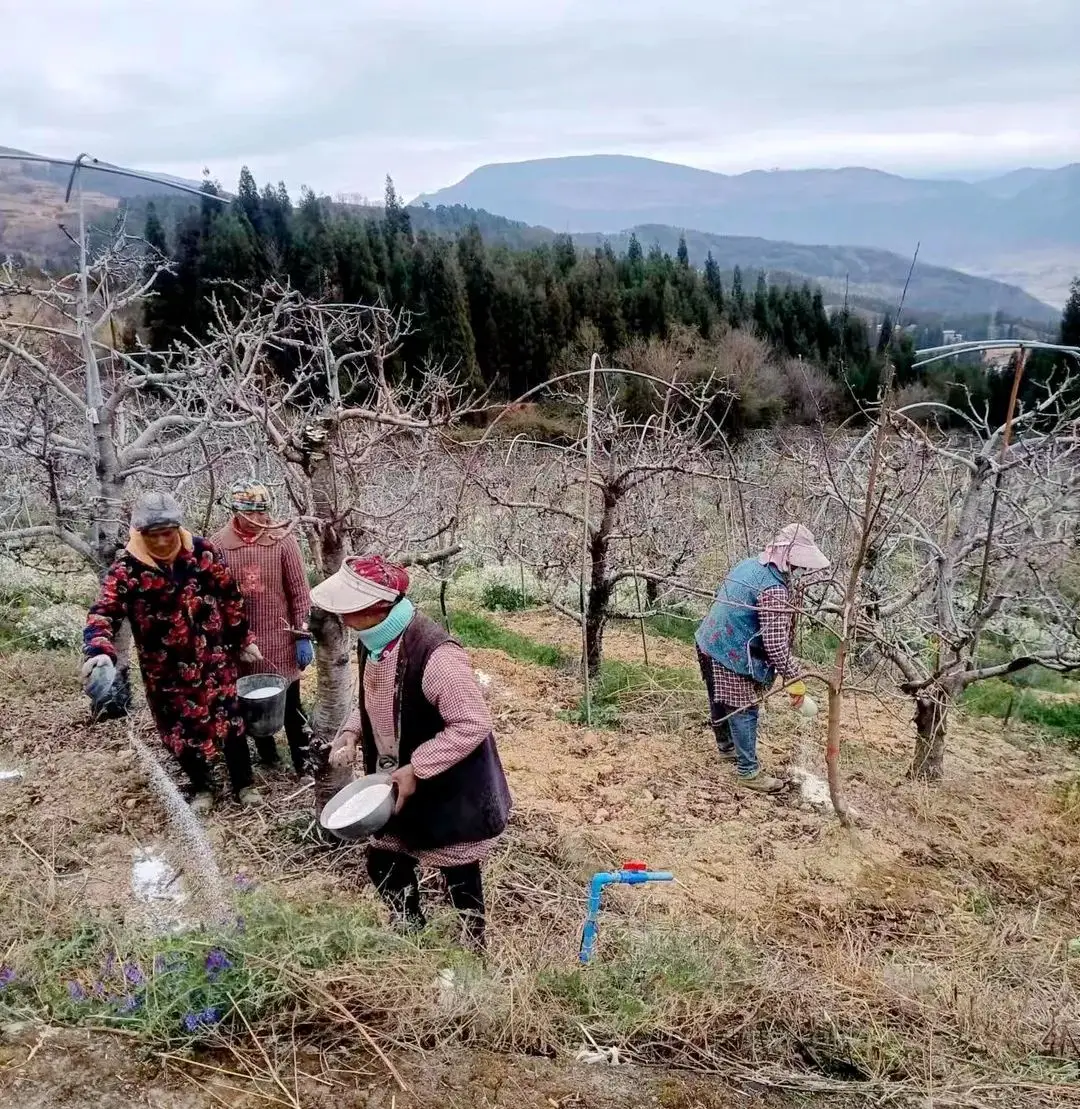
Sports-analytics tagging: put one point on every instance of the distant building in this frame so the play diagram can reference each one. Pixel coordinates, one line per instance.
(949, 337)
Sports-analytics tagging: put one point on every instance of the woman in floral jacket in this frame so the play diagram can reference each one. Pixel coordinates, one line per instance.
(189, 625)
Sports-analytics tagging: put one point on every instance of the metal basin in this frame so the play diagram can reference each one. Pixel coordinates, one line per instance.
(371, 822)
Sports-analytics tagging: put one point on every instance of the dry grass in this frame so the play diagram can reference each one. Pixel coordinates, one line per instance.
(927, 955)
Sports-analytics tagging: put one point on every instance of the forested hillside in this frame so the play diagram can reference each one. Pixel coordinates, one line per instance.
(505, 317)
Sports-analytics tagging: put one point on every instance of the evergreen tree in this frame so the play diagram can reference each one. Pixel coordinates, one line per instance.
(737, 313)
(311, 260)
(1070, 318)
(714, 284)
(885, 334)
(158, 312)
(444, 334)
(480, 295)
(683, 254)
(564, 253)
(397, 215)
(761, 314)
(249, 202)
(154, 234)
(277, 211)
(635, 257)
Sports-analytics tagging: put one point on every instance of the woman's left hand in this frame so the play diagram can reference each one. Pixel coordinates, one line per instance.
(405, 780)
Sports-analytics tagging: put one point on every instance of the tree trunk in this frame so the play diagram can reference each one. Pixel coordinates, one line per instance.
(106, 537)
(931, 723)
(333, 703)
(595, 620)
(832, 756)
(596, 603)
(330, 636)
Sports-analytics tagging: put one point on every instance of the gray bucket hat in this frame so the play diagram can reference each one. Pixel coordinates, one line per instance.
(156, 510)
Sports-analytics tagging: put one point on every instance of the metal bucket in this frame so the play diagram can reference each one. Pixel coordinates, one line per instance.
(264, 716)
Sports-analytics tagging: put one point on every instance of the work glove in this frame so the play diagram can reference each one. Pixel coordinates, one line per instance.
(251, 653)
(98, 674)
(797, 691)
(305, 653)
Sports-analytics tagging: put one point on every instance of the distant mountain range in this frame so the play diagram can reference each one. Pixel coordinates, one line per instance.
(32, 203)
(1027, 218)
(872, 279)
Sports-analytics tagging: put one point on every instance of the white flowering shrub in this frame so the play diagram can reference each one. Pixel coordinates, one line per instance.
(56, 627)
(26, 585)
(473, 585)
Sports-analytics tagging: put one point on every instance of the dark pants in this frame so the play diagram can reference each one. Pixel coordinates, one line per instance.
(237, 766)
(735, 728)
(296, 731)
(395, 877)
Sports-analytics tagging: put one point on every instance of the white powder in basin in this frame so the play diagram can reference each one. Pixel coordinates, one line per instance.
(262, 692)
(358, 806)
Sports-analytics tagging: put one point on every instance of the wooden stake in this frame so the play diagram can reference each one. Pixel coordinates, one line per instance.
(585, 537)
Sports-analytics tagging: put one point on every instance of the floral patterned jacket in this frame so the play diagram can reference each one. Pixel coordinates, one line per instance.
(186, 621)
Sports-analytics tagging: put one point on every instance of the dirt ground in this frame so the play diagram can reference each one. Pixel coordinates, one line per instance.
(69, 1069)
(981, 867)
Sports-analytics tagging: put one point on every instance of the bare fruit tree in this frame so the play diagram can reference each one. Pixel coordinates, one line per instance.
(79, 411)
(596, 499)
(356, 439)
(950, 592)
(86, 413)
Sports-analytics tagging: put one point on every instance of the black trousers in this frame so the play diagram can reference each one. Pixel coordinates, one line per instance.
(296, 731)
(237, 765)
(397, 880)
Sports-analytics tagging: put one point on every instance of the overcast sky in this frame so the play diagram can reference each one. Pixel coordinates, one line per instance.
(335, 94)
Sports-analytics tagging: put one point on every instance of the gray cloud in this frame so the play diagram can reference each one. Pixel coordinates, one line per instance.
(336, 93)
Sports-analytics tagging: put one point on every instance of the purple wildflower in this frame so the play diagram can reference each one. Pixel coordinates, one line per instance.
(76, 991)
(216, 962)
(196, 1020)
(7, 976)
(127, 1004)
(133, 974)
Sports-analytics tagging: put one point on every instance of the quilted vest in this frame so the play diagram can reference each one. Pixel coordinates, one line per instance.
(731, 633)
(467, 802)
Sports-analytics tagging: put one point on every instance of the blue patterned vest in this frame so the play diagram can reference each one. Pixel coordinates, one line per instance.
(731, 633)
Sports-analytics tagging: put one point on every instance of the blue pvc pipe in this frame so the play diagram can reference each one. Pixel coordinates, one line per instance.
(596, 890)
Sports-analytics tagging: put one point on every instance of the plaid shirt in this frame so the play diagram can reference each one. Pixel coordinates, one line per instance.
(271, 576)
(450, 685)
(776, 609)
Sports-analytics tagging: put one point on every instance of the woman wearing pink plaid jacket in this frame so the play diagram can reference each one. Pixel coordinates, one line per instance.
(266, 562)
(422, 715)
